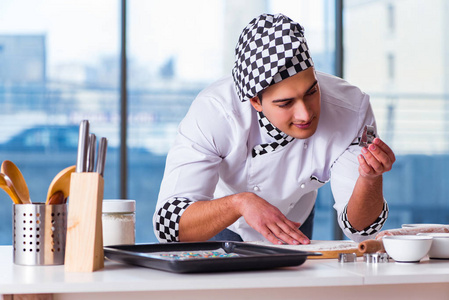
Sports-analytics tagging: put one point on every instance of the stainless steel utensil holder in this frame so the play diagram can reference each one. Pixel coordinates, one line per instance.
(39, 234)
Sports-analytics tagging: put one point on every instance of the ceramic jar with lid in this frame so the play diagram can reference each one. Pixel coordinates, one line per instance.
(119, 222)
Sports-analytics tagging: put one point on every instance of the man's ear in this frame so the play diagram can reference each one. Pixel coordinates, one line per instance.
(255, 102)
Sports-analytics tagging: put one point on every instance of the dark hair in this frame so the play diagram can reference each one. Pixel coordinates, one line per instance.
(259, 95)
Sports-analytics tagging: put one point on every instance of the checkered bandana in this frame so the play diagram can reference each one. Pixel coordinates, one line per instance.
(373, 228)
(270, 49)
(281, 138)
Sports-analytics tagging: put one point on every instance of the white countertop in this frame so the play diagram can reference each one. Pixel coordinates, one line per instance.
(314, 275)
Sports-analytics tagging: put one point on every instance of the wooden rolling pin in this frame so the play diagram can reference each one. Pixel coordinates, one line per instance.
(371, 246)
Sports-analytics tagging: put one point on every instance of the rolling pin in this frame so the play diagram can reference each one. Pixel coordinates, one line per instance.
(371, 246)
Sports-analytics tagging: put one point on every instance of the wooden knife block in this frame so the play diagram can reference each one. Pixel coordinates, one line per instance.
(84, 244)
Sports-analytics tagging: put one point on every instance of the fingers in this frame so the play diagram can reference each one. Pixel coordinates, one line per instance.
(364, 167)
(280, 233)
(271, 237)
(377, 158)
(373, 161)
(271, 222)
(385, 148)
(290, 234)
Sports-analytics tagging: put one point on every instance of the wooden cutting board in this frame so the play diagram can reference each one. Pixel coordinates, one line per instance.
(329, 249)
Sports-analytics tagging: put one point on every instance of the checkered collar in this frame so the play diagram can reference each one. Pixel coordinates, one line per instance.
(282, 139)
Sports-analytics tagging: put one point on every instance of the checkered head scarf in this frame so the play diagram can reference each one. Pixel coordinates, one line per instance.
(270, 49)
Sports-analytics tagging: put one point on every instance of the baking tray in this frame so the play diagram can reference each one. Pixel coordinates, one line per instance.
(193, 257)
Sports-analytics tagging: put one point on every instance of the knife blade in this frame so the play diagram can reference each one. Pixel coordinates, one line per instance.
(101, 159)
(91, 152)
(81, 159)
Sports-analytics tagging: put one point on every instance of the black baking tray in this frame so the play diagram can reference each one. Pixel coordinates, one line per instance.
(247, 256)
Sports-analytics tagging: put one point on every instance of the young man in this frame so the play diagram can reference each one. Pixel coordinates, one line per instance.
(255, 147)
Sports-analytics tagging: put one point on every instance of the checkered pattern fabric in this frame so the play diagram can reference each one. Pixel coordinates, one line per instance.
(281, 138)
(356, 141)
(270, 49)
(373, 228)
(167, 223)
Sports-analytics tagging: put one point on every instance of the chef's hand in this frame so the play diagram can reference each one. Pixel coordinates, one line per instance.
(269, 221)
(376, 159)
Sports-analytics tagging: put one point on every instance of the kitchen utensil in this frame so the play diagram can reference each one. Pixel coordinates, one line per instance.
(440, 245)
(84, 251)
(374, 258)
(42, 240)
(328, 248)
(91, 152)
(61, 182)
(101, 160)
(347, 257)
(12, 171)
(6, 185)
(368, 136)
(407, 248)
(206, 256)
(83, 141)
(371, 246)
(56, 198)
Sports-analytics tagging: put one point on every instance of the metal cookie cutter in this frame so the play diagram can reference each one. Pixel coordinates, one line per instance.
(375, 258)
(368, 136)
(347, 257)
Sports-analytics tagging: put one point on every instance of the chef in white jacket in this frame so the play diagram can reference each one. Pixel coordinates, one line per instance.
(255, 147)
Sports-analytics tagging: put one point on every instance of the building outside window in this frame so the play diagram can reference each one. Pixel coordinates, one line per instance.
(409, 93)
(60, 64)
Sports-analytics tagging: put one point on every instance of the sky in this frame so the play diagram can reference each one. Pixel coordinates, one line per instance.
(85, 31)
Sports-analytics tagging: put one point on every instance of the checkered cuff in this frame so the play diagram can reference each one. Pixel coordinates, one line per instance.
(372, 229)
(168, 216)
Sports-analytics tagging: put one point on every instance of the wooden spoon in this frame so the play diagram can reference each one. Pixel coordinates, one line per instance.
(6, 185)
(61, 183)
(56, 198)
(12, 171)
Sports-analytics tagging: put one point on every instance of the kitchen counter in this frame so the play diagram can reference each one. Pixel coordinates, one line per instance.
(316, 278)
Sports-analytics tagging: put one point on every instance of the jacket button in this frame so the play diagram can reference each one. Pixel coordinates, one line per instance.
(256, 188)
(302, 185)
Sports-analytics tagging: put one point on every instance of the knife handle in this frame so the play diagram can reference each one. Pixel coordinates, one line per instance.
(91, 152)
(101, 160)
(81, 159)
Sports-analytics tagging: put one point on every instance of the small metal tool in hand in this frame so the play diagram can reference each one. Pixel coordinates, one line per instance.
(368, 136)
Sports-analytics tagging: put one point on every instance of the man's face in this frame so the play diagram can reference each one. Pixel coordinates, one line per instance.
(292, 105)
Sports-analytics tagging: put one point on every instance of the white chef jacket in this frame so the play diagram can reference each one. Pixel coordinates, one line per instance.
(212, 155)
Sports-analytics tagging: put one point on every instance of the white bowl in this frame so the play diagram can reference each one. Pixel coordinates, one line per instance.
(440, 244)
(407, 248)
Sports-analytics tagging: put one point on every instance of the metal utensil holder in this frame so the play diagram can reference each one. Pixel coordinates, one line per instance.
(39, 234)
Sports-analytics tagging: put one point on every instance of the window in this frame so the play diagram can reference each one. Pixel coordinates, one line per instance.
(391, 18)
(390, 66)
(173, 54)
(409, 92)
(59, 64)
